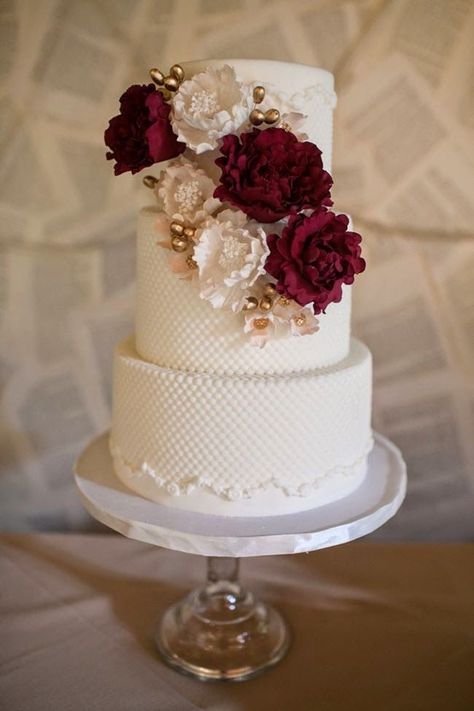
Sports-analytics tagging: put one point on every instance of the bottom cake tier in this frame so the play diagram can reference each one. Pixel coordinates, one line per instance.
(241, 445)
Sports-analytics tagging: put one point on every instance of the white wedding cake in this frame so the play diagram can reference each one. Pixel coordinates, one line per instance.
(233, 397)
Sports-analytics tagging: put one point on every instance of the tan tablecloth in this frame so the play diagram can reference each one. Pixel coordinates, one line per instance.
(375, 627)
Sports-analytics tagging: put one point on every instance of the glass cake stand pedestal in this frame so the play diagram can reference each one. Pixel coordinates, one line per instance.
(220, 631)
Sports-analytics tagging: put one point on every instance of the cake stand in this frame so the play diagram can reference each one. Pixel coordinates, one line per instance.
(220, 631)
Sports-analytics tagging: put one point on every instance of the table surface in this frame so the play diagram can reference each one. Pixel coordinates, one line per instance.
(376, 626)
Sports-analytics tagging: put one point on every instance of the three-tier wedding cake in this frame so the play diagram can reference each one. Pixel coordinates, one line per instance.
(241, 392)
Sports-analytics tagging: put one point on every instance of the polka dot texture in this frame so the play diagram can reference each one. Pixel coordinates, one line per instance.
(238, 435)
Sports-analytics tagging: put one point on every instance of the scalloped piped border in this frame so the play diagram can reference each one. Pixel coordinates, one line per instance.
(314, 93)
(185, 486)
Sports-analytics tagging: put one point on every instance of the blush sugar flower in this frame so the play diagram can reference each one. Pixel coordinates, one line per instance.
(230, 254)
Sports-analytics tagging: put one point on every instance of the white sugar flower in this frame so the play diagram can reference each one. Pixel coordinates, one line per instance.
(162, 228)
(301, 321)
(183, 265)
(260, 327)
(292, 119)
(284, 308)
(212, 104)
(187, 192)
(304, 322)
(230, 254)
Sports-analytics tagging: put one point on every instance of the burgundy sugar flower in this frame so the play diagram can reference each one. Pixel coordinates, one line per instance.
(269, 174)
(314, 257)
(141, 134)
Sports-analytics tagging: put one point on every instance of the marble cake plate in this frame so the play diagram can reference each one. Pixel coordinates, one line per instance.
(376, 500)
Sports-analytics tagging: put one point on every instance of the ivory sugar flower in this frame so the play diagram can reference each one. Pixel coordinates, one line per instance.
(187, 192)
(212, 104)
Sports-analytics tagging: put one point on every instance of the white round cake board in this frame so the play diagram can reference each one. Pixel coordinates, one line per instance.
(376, 500)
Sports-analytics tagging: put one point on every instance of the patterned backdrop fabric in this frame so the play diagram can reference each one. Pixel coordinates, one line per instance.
(404, 170)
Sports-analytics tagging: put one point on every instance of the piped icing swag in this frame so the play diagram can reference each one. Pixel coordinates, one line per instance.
(262, 240)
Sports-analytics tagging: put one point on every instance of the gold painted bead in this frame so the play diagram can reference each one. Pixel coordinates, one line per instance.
(165, 93)
(283, 301)
(177, 72)
(272, 116)
(269, 290)
(266, 303)
(171, 83)
(251, 304)
(191, 263)
(189, 232)
(150, 181)
(177, 228)
(258, 94)
(179, 244)
(157, 76)
(256, 117)
(260, 323)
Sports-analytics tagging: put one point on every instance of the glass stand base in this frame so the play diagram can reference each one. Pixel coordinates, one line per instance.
(220, 631)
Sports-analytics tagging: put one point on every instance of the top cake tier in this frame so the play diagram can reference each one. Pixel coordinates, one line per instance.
(294, 87)
(174, 327)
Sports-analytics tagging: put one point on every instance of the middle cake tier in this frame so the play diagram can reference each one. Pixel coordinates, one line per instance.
(176, 329)
(291, 441)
